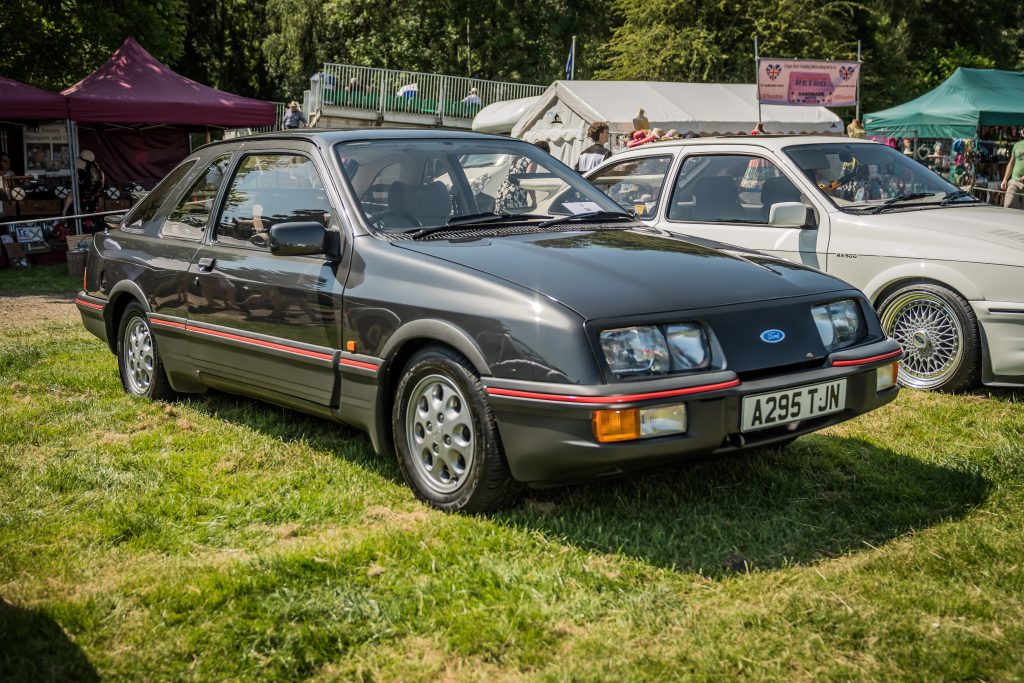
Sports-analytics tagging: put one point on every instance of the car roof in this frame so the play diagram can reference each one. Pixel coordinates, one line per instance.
(328, 136)
(773, 142)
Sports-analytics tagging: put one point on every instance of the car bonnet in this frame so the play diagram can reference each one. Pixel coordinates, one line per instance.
(611, 273)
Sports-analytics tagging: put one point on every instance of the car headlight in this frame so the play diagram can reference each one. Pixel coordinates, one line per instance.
(648, 350)
(838, 323)
(687, 346)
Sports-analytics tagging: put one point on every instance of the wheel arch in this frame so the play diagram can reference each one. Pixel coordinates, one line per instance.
(402, 346)
(888, 281)
(122, 294)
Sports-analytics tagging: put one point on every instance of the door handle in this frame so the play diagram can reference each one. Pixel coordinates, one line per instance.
(207, 264)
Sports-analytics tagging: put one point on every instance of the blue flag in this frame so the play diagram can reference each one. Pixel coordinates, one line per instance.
(568, 62)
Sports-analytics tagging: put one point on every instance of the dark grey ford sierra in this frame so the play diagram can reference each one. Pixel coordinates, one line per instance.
(478, 308)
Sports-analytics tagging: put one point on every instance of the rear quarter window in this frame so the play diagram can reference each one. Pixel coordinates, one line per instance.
(146, 210)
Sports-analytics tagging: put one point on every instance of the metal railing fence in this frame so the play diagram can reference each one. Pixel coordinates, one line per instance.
(409, 92)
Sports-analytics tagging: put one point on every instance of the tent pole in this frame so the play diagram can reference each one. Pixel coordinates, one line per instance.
(73, 153)
(859, 75)
(572, 69)
(757, 75)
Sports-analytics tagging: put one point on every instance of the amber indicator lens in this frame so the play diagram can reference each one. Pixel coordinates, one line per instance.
(616, 425)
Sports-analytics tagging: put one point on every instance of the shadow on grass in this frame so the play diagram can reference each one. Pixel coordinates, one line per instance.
(821, 497)
(289, 425)
(33, 647)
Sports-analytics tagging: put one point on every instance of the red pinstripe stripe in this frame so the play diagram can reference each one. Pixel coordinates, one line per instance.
(260, 342)
(168, 323)
(626, 398)
(83, 302)
(865, 361)
(266, 344)
(358, 364)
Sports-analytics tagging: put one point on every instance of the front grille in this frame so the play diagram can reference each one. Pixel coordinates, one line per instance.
(782, 369)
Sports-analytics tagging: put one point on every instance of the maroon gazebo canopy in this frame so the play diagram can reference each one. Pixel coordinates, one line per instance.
(134, 87)
(20, 101)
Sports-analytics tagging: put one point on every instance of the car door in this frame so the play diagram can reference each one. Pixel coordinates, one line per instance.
(262, 323)
(727, 195)
(182, 229)
(636, 184)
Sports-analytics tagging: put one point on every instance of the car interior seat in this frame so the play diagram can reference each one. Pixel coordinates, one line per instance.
(428, 204)
(775, 190)
(716, 198)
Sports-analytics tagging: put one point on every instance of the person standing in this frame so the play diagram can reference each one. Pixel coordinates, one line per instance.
(91, 181)
(293, 118)
(592, 156)
(1013, 179)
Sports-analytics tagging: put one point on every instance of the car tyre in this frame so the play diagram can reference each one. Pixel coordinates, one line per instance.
(138, 357)
(446, 438)
(939, 335)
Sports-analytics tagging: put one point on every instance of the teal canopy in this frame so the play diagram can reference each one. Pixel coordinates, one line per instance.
(966, 100)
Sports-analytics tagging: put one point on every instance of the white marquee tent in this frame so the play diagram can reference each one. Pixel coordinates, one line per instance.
(502, 116)
(562, 114)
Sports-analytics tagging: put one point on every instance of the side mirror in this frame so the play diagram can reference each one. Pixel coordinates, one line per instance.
(791, 215)
(299, 239)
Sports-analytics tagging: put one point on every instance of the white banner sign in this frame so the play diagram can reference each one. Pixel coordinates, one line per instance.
(805, 82)
(46, 150)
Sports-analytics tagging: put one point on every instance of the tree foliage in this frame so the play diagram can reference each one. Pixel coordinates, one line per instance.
(517, 40)
(223, 47)
(693, 40)
(909, 46)
(270, 48)
(55, 43)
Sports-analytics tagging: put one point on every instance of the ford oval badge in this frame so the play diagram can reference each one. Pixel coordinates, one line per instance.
(772, 336)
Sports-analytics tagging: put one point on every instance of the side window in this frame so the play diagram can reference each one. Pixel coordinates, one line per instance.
(188, 220)
(268, 189)
(151, 203)
(636, 184)
(726, 188)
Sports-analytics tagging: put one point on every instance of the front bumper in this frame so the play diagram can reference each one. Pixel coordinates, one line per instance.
(548, 437)
(1002, 336)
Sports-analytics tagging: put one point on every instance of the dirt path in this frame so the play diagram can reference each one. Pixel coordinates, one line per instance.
(27, 309)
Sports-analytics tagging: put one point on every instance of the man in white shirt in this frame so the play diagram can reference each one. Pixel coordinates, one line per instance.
(592, 156)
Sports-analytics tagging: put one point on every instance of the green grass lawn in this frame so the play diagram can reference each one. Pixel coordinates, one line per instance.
(220, 538)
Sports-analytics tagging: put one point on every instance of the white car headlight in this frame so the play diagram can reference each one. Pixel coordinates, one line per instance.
(688, 346)
(648, 350)
(838, 323)
(635, 351)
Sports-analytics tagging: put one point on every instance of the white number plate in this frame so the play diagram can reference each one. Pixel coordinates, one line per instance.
(779, 407)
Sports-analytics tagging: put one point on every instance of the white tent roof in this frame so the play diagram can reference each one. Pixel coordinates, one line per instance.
(703, 108)
(500, 117)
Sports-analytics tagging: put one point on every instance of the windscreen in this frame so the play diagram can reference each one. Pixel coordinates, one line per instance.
(413, 183)
(864, 174)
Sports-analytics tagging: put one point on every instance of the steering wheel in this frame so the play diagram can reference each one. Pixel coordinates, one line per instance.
(380, 216)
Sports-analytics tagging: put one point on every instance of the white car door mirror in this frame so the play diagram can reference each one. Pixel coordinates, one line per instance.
(790, 215)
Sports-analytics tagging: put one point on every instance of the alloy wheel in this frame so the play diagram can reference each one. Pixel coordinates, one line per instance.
(440, 434)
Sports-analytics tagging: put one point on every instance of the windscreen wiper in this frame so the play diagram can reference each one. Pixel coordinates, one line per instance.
(589, 216)
(896, 200)
(492, 217)
(486, 218)
(951, 197)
